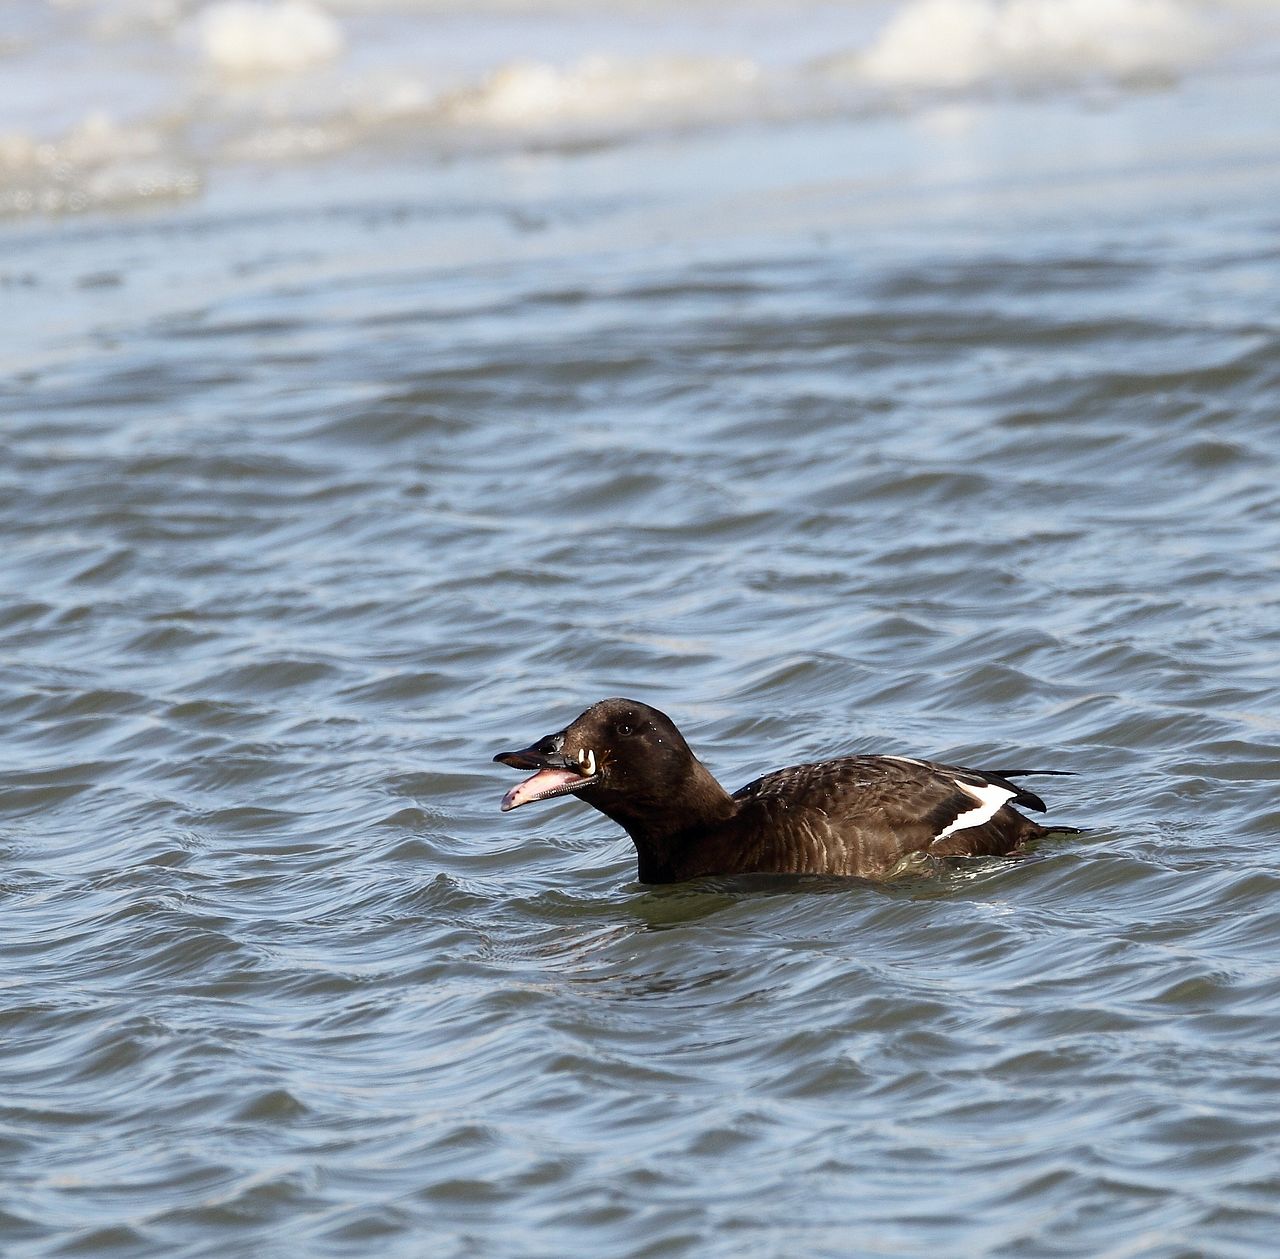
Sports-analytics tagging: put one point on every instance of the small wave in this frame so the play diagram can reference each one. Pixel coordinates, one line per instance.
(964, 43)
(603, 92)
(246, 37)
(98, 164)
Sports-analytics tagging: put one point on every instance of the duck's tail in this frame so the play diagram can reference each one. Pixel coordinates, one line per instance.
(1028, 799)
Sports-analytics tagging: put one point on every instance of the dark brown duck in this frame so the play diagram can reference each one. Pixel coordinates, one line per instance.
(858, 815)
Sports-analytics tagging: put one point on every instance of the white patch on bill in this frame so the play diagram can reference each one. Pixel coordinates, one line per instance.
(991, 799)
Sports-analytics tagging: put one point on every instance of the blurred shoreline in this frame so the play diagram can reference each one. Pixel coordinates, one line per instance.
(113, 106)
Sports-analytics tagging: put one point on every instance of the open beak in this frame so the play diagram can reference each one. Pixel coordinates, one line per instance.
(558, 773)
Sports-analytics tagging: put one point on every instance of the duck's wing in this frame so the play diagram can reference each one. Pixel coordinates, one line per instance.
(1000, 778)
(900, 804)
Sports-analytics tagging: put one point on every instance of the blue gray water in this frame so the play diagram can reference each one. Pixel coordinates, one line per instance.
(836, 435)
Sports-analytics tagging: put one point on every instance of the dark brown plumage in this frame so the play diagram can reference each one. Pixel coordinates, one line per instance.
(858, 815)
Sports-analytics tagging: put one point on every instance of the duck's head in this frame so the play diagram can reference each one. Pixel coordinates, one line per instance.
(618, 755)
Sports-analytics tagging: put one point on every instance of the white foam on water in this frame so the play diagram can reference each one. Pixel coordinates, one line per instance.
(102, 96)
(99, 163)
(964, 43)
(249, 37)
(606, 90)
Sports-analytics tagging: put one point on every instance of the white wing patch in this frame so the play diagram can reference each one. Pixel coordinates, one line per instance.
(991, 799)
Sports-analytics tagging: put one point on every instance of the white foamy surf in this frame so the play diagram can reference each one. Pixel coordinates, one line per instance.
(251, 37)
(124, 102)
(607, 90)
(1036, 43)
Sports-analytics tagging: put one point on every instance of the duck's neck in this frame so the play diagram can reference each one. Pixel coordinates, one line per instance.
(664, 824)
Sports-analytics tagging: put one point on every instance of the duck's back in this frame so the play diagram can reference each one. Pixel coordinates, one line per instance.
(861, 815)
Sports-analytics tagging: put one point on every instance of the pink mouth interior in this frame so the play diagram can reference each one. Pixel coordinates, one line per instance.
(544, 783)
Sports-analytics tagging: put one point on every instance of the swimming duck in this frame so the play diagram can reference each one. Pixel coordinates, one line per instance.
(856, 815)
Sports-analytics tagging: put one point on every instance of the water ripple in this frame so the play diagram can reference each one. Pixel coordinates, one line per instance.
(288, 568)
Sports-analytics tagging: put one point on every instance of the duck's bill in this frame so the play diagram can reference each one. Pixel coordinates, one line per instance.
(557, 776)
(544, 785)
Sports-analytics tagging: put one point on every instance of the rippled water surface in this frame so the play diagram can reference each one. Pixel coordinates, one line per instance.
(949, 430)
